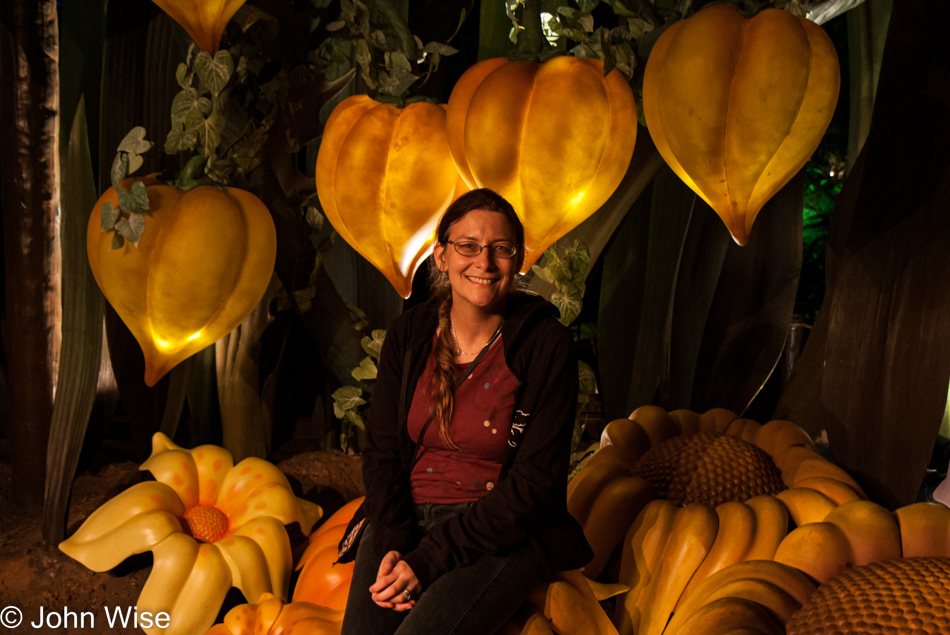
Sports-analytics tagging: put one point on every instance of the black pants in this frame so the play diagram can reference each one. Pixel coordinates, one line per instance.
(472, 600)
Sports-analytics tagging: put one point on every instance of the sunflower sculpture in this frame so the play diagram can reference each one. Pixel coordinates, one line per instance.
(863, 570)
(687, 495)
(209, 524)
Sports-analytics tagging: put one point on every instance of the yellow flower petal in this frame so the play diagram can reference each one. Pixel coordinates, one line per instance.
(253, 619)
(204, 20)
(244, 479)
(313, 619)
(176, 469)
(278, 502)
(272, 538)
(248, 565)
(213, 464)
(188, 582)
(132, 522)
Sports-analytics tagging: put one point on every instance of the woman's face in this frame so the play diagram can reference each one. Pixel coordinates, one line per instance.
(483, 280)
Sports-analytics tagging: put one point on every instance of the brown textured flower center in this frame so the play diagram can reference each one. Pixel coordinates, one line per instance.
(905, 595)
(709, 468)
(205, 523)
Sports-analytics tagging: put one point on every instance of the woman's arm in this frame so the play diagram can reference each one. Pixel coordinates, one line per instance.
(388, 500)
(536, 483)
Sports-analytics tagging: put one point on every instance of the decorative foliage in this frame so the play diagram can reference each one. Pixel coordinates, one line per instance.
(348, 402)
(728, 123)
(198, 271)
(210, 525)
(567, 275)
(384, 176)
(554, 138)
(204, 20)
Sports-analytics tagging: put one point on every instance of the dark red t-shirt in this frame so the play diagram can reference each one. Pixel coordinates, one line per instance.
(481, 419)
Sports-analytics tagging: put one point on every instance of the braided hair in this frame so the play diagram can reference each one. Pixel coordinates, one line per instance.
(441, 389)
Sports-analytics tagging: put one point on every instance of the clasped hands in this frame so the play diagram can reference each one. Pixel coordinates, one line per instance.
(394, 578)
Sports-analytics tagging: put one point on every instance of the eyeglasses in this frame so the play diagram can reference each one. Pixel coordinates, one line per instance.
(469, 249)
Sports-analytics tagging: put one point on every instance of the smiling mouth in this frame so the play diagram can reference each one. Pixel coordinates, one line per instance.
(480, 280)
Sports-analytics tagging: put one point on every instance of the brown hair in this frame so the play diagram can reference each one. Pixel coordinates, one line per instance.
(441, 390)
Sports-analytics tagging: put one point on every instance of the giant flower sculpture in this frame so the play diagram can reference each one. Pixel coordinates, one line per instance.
(209, 524)
(270, 616)
(204, 20)
(688, 494)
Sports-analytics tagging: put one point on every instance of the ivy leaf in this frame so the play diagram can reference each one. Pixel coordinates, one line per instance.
(362, 321)
(247, 16)
(209, 130)
(620, 9)
(336, 26)
(544, 274)
(214, 73)
(180, 140)
(131, 228)
(568, 304)
(186, 102)
(441, 49)
(117, 242)
(134, 142)
(184, 75)
(354, 419)
(374, 345)
(588, 5)
(304, 298)
(348, 397)
(575, 19)
(248, 154)
(398, 77)
(120, 168)
(578, 258)
(586, 378)
(314, 218)
(366, 370)
(134, 200)
(108, 215)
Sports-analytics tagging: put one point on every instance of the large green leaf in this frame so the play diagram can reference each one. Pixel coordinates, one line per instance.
(638, 278)
(886, 328)
(82, 333)
(701, 254)
(747, 325)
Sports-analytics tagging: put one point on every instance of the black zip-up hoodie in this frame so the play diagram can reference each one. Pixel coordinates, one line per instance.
(529, 502)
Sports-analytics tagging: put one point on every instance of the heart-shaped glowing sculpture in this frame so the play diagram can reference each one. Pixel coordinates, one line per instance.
(204, 20)
(203, 263)
(384, 176)
(736, 106)
(554, 138)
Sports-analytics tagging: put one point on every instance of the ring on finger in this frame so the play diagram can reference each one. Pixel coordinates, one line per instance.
(407, 593)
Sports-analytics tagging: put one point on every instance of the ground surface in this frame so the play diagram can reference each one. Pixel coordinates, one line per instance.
(34, 574)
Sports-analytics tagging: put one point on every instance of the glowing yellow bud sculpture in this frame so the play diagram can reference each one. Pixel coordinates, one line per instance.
(204, 20)
(736, 106)
(554, 138)
(270, 616)
(384, 176)
(202, 265)
(209, 524)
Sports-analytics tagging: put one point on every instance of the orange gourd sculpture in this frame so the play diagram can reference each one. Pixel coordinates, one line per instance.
(384, 176)
(554, 138)
(202, 265)
(322, 580)
(736, 106)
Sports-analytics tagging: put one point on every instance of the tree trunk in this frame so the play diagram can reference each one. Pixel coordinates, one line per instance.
(29, 138)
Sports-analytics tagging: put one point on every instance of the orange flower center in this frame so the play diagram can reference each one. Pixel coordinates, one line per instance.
(891, 596)
(709, 468)
(205, 523)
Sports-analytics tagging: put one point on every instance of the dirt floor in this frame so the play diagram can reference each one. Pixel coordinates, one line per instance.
(34, 574)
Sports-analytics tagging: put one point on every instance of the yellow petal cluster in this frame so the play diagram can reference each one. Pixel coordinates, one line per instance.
(736, 105)
(204, 20)
(270, 616)
(384, 176)
(668, 550)
(210, 525)
(764, 596)
(554, 138)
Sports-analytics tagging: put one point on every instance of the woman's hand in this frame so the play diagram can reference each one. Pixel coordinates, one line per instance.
(394, 579)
